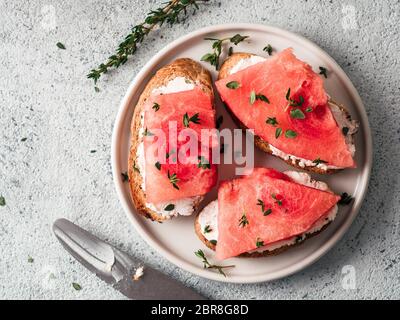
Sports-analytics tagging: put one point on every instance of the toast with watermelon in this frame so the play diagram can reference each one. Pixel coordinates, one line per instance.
(293, 118)
(161, 190)
(265, 213)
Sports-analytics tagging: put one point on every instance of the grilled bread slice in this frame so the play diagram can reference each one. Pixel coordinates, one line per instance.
(192, 74)
(206, 223)
(340, 113)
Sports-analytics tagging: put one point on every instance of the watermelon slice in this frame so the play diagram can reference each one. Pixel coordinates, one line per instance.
(298, 122)
(266, 207)
(172, 171)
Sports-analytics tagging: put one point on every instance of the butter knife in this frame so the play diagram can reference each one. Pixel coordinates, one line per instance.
(124, 273)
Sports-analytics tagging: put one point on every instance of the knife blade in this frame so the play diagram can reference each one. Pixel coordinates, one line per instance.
(118, 268)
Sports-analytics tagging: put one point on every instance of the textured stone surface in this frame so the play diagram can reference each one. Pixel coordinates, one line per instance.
(45, 98)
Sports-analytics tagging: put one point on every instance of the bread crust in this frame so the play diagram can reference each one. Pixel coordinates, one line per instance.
(197, 228)
(263, 145)
(184, 67)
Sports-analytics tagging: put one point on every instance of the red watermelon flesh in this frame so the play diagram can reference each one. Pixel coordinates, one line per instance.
(295, 209)
(176, 159)
(318, 134)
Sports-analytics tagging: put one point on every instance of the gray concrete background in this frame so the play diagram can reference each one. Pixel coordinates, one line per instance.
(45, 98)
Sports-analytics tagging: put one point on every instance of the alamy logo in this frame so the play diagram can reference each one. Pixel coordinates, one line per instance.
(203, 148)
(48, 21)
(47, 277)
(349, 277)
(349, 20)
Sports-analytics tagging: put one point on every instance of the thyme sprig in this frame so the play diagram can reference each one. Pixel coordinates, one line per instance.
(262, 204)
(213, 57)
(173, 178)
(207, 265)
(173, 12)
(243, 221)
(345, 199)
(319, 161)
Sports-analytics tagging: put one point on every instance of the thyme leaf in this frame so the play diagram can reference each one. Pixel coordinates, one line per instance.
(319, 161)
(125, 177)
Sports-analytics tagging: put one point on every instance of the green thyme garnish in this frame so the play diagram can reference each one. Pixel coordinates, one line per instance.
(253, 97)
(233, 85)
(125, 177)
(265, 212)
(345, 130)
(24, 139)
(290, 134)
(173, 179)
(261, 203)
(171, 13)
(207, 229)
(207, 265)
(147, 133)
(76, 286)
(2, 201)
(156, 106)
(319, 161)
(213, 57)
(230, 51)
(288, 95)
(30, 260)
(214, 242)
(277, 201)
(299, 103)
(169, 207)
(292, 102)
(259, 243)
(237, 38)
(345, 199)
(93, 151)
(243, 221)
(268, 49)
(299, 239)
(278, 132)
(186, 120)
(219, 121)
(309, 109)
(135, 167)
(297, 114)
(203, 163)
(323, 71)
(158, 165)
(262, 97)
(272, 121)
(60, 46)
